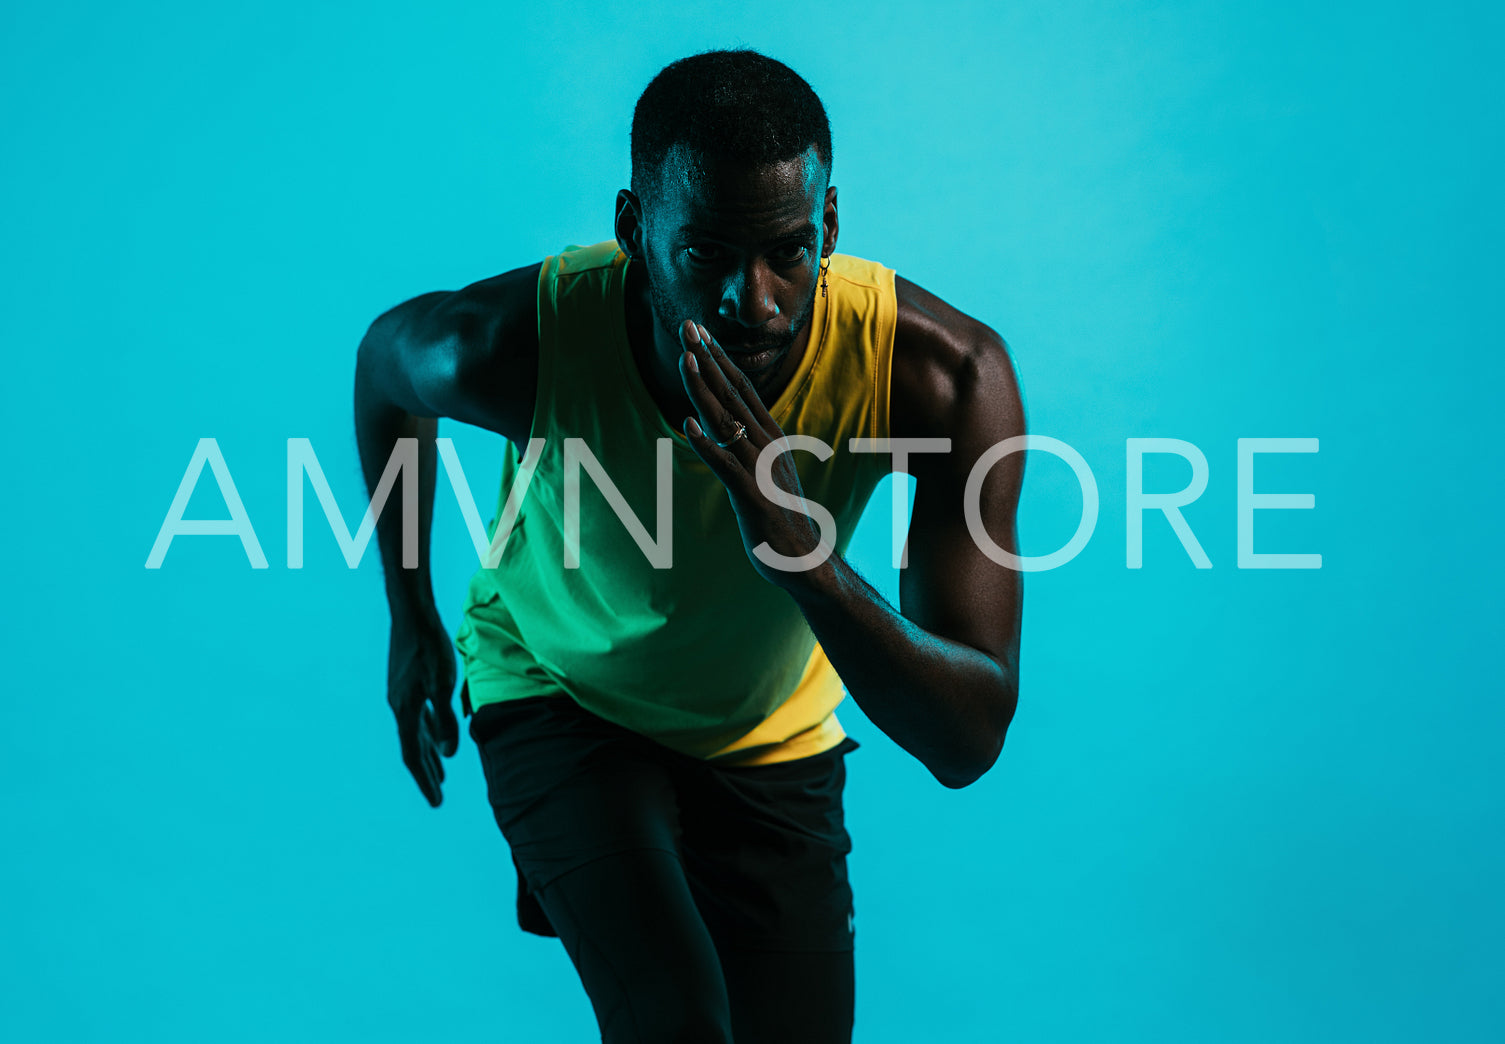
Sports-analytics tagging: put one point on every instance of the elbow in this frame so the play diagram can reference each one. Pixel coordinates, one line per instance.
(955, 782)
(984, 752)
(399, 364)
(962, 774)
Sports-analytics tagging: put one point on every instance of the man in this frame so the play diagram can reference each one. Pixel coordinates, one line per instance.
(655, 711)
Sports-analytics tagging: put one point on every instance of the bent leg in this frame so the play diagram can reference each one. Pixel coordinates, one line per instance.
(765, 851)
(790, 998)
(632, 930)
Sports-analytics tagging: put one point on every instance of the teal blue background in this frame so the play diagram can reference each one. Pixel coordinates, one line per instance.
(1234, 805)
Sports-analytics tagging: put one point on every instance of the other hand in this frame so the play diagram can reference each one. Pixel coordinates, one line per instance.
(420, 686)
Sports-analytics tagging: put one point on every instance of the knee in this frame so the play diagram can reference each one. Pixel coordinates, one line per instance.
(679, 1011)
(689, 1020)
(657, 1004)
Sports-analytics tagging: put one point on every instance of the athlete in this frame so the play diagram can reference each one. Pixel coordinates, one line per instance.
(652, 663)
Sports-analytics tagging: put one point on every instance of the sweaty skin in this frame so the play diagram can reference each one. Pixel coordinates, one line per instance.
(726, 262)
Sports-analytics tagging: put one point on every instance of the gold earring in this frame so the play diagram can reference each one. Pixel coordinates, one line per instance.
(825, 265)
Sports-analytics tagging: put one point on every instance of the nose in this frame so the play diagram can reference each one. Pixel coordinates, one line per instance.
(747, 297)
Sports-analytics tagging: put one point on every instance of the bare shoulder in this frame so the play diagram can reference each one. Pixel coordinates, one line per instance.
(953, 376)
(471, 354)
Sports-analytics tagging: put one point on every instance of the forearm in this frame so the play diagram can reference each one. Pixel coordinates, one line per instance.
(946, 703)
(379, 424)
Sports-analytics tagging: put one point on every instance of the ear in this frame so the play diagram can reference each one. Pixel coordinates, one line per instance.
(629, 223)
(829, 223)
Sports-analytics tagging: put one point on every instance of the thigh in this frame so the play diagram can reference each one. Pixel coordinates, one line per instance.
(635, 936)
(790, 998)
(567, 787)
(590, 812)
(765, 849)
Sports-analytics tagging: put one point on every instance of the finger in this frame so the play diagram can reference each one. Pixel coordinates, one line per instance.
(740, 383)
(430, 747)
(720, 405)
(416, 752)
(723, 465)
(408, 724)
(448, 734)
(719, 374)
(718, 421)
(412, 757)
(713, 416)
(696, 372)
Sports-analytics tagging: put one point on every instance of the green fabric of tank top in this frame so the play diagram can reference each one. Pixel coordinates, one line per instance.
(697, 655)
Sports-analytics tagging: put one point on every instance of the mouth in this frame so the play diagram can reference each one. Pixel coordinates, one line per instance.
(749, 361)
(756, 355)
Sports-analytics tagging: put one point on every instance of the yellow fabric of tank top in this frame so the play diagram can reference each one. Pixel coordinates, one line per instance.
(705, 657)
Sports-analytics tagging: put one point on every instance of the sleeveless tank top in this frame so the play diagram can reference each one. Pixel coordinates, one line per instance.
(705, 657)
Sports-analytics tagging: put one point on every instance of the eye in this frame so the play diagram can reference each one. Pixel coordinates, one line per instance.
(703, 252)
(789, 253)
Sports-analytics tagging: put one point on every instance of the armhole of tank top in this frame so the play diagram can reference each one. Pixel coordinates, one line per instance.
(883, 365)
(548, 331)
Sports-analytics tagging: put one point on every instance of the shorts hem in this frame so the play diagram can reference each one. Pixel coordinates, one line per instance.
(594, 858)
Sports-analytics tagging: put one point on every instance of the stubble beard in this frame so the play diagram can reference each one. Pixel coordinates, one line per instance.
(663, 308)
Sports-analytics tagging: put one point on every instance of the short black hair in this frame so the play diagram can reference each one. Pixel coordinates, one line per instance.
(735, 105)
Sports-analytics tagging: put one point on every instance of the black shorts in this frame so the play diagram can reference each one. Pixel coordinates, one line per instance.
(763, 847)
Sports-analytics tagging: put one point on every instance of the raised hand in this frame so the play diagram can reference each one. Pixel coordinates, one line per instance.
(739, 428)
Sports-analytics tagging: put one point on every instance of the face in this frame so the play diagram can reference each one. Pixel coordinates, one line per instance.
(737, 250)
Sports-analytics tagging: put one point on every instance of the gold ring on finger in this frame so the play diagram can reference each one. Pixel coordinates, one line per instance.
(740, 433)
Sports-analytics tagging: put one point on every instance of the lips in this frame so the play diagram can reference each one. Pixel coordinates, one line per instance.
(756, 360)
(752, 351)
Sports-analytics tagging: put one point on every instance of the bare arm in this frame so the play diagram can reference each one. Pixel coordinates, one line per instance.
(392, 370)
(942, 677)
(470, 355)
